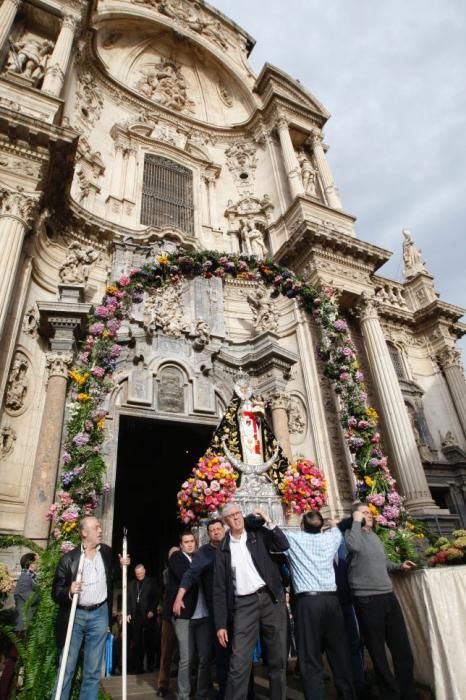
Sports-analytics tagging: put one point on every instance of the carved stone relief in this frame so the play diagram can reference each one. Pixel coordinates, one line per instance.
(140, 384)
(164, 83)
(265, 315)
(89, 101)
(296, 417)
(252, 240)
(164, 311)
(90, 169)
(18, 385)
(31, 322)
(20, 166)
(242, 162)
(170, 390)
(75, 269)
(224, 93)
(28, 57)
(208, 303)
(247, 220)
(7, 441)
(202, 335)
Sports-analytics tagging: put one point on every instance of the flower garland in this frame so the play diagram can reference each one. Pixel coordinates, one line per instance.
(303, 487)
(445, 551)
(83, 468)
(211, 486)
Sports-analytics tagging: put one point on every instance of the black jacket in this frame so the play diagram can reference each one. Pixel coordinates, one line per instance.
(178, 564)
(26, 586)
(148, 598)
(261, 543)
(65, 574)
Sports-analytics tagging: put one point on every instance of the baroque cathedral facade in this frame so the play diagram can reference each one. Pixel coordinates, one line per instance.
(129, 128)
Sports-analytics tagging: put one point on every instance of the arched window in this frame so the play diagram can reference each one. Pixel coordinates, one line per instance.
(167, 194)
(397, 360)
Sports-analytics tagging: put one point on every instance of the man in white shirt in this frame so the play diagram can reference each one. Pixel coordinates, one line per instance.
(249, 598)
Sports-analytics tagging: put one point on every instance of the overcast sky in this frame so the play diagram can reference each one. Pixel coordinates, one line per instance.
(393, 76)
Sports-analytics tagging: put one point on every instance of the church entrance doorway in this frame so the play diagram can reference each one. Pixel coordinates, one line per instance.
(154, 458)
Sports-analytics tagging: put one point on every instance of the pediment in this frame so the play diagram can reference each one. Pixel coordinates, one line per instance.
(273, 81)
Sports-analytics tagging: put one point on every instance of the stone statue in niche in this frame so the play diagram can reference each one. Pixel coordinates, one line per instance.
(449, 440)
(164, 83)
(75, 269)
(18, 384)
(296, 419)
(164, 311)
(265, 315)
(7, 441)
(29, 58)
(308, 174)
(202, 335)
(413, 262)
(171, 391)
(252, 240)
(424, 450)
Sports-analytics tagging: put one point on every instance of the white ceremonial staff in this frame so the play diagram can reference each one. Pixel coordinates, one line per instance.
(69, 631)
(124, 635)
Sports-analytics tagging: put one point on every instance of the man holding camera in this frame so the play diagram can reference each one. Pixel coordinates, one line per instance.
(248, 598)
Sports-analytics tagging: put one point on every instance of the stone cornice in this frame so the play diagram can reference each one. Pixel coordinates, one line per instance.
(34, 131)
(439, 310)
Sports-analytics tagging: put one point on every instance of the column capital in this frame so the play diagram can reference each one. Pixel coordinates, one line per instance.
(58, 364)
(70, 22)
(315, 138)
(18, 204)
(449, 357)
(281, 122)
(367, 307)
(279, 400)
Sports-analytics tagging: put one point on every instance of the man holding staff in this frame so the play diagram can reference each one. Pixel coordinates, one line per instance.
(94, 609)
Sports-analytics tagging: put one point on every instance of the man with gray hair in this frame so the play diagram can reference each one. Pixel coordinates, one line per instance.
(93, 614)
(249, 598)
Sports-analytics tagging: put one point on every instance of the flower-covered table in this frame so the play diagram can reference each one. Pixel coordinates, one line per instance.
(434, 606)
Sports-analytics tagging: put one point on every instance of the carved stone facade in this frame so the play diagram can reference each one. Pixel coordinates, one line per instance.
(87, 100)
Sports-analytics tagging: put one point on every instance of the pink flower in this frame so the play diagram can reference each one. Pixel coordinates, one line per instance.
(96, 328)
(124, 281)
(67, 546)
(98, 372)
(101, 311)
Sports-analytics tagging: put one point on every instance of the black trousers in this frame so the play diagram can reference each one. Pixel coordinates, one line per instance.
(320, 627)
(257, 614)
(144, 644)
(381, 622)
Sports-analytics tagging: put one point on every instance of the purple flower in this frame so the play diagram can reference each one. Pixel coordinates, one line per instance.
(340, 325)
(242, 266)
(381, 520)
(98, 372)
(81, 439)
(374, 462)
(394, 498)
(345, 377)
(363, 424)
(359, 377)
(66, 458)
(96, 328)
(347, 352)
(356, 442)
(113, 325)
(84, 357)
(352, 422)
(377, 499)
(101, 311)
(391, 512)
(115, 351)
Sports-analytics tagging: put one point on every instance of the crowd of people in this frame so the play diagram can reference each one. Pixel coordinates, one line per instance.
(324, 589)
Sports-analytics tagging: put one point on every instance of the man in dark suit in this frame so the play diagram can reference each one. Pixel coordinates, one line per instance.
(94, 611)
(192, 626)
(142, 610)
(25, 588)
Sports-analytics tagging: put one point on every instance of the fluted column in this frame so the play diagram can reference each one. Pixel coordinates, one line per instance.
(8, 10)
(289, 158)
(58, 64)
(44, 477)
(16, 213)
(328, 183)
(410, 473)
(279, 405)
(117, 171)
(450, 362)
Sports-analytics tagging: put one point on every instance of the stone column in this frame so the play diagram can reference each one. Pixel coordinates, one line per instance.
(8, 10)
(328, 183)
(280, 404)
(117, 171)
(44, 477)
(409, 470)
(450, 362)
(130, 179)
(58, 63)
(16, 213)
(289, 158)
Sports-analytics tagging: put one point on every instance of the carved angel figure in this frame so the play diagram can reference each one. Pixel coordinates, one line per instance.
(75, 269)
(265, 316)
(411, 256)
(18, 384)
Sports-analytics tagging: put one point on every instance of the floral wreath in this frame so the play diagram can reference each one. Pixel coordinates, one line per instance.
(83, 466)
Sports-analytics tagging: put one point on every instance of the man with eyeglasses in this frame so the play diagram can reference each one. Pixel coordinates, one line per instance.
(249, 598)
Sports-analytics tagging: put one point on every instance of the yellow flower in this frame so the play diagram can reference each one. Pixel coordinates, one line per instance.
(420, 536)
(83, 397)
(162, 259)
(372, 414)
(105, 334)
(373, 509)
(355, 365)
(80, 379)
(100, 423)
(369, 481)
(410, 526)
(110, 289)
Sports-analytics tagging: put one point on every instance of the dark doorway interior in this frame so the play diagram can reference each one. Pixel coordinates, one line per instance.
(154, 458)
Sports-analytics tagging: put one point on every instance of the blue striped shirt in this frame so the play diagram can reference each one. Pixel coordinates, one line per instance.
(311, 559)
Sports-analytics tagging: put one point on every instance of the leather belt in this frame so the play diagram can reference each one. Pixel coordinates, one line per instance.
(304, 594)
(92, 607)
(262, 589)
